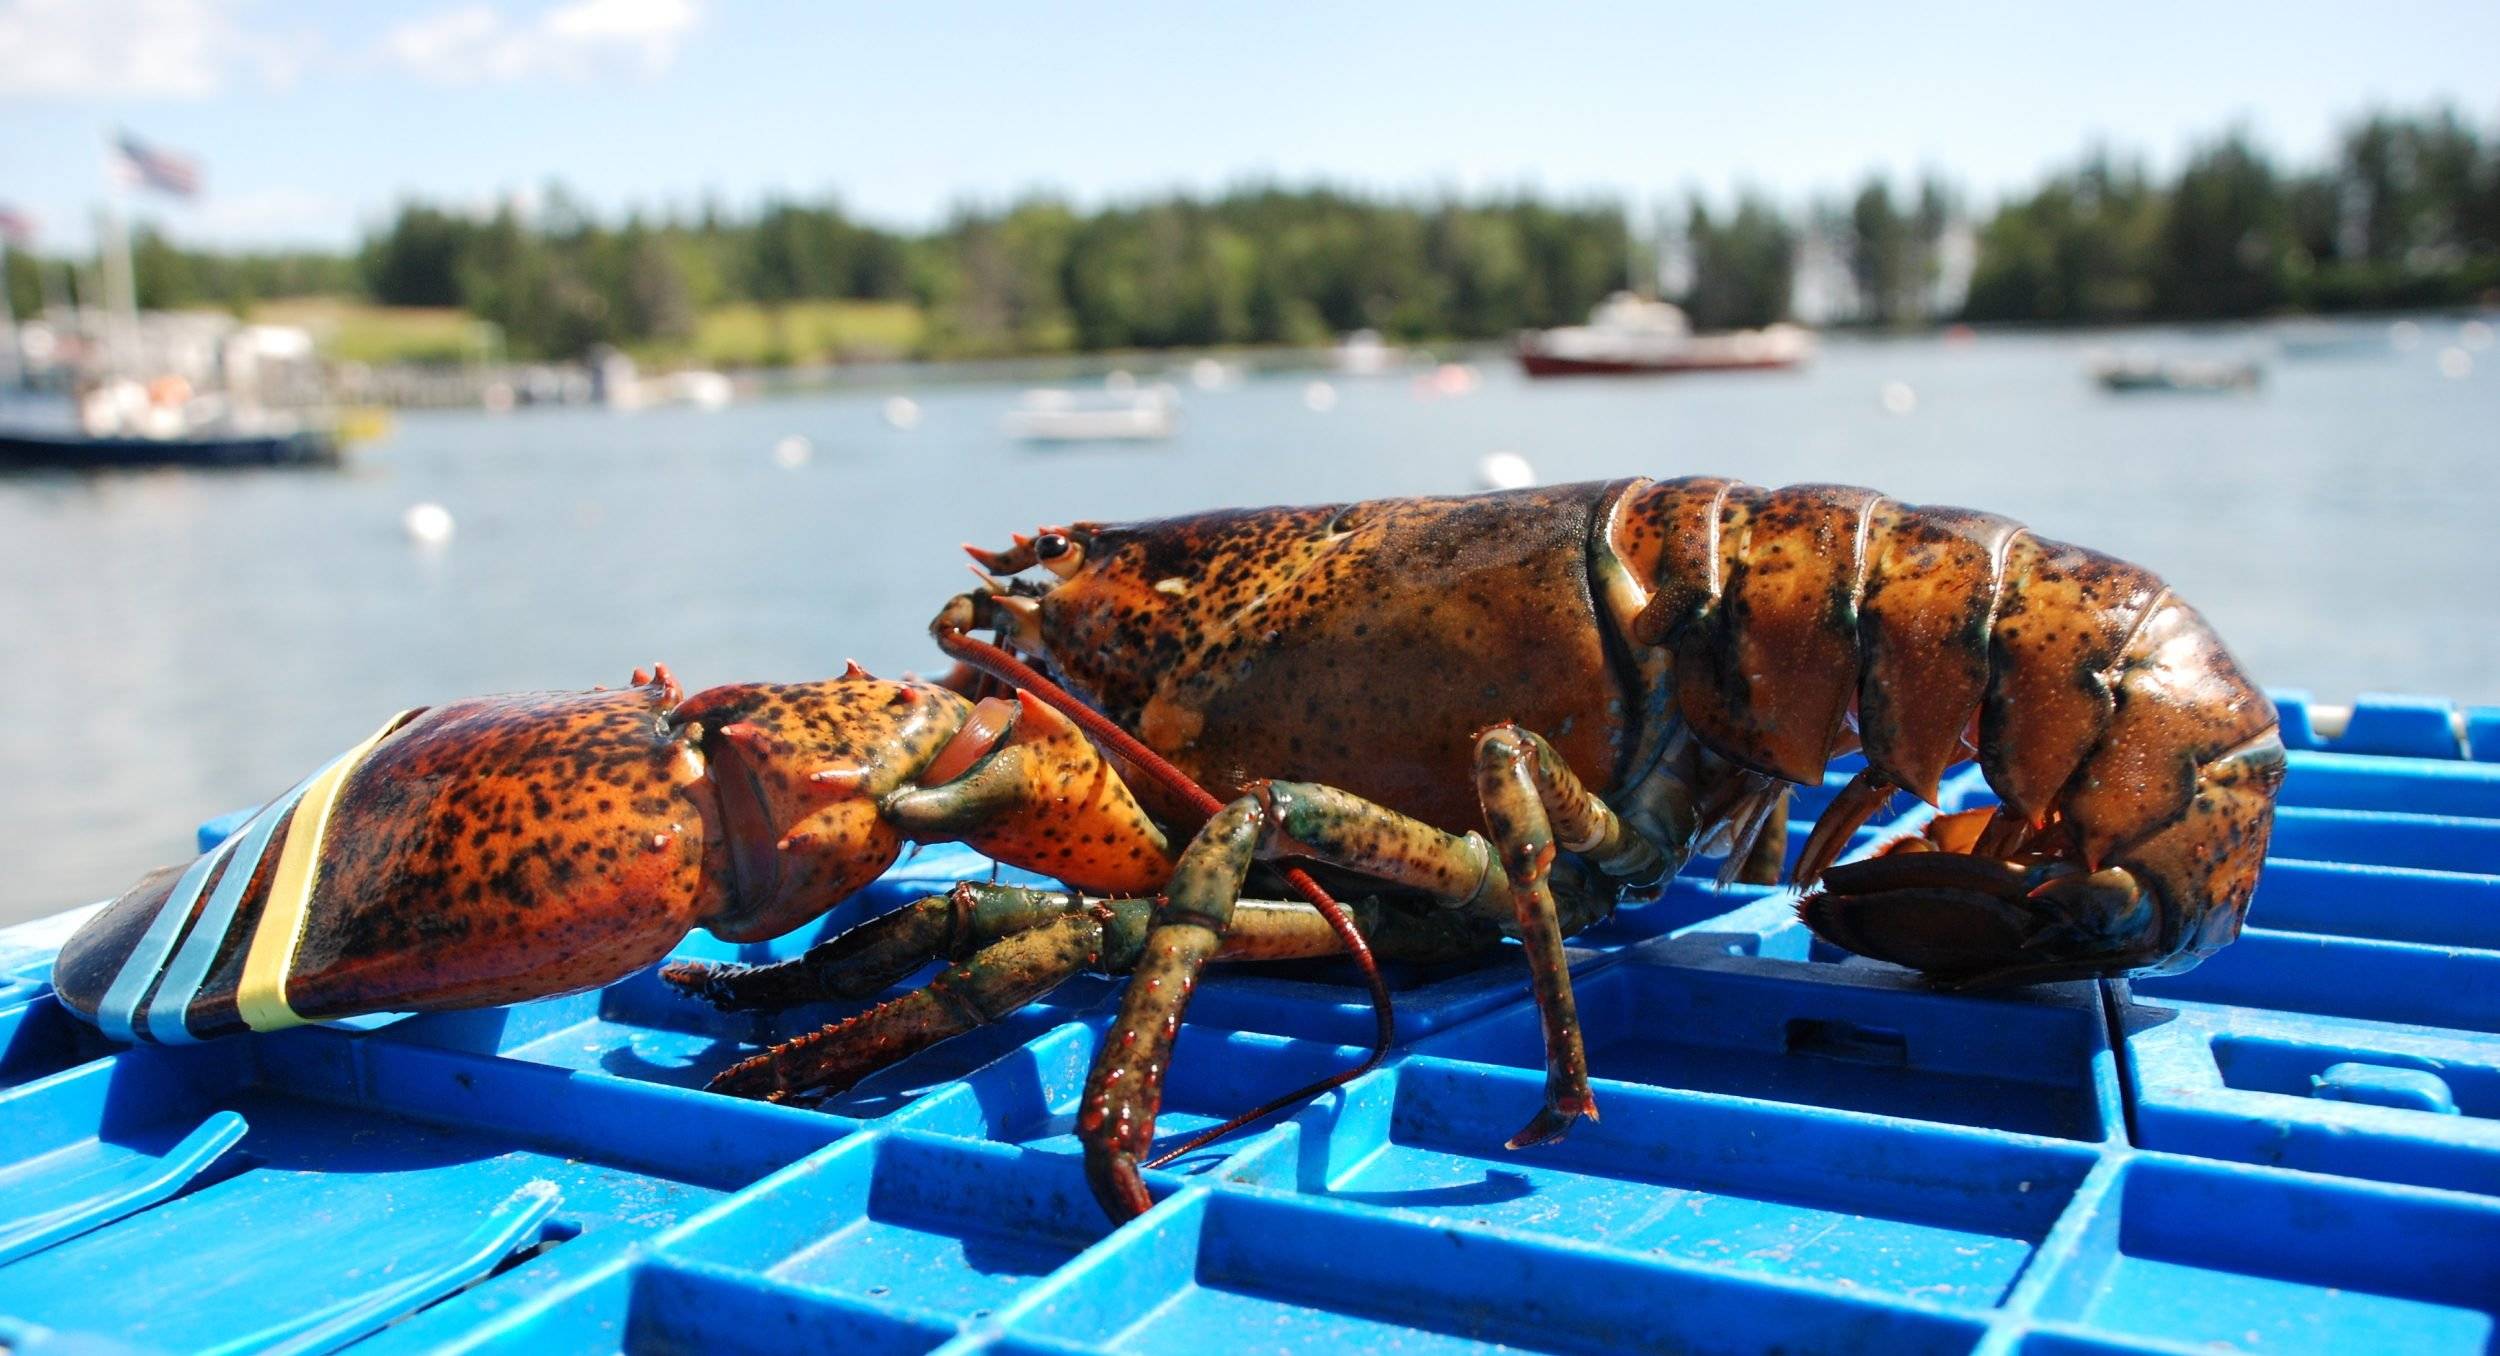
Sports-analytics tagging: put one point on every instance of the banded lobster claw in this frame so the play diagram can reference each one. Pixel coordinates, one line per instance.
(500, 849)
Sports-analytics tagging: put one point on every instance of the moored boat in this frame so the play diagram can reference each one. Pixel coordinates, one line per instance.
(1629, 335)
(1057, 416)
(2137, 374)
(30, 449)
(1364, 353)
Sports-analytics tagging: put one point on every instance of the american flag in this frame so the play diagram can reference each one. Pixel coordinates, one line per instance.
(143, 166)
(17, 229)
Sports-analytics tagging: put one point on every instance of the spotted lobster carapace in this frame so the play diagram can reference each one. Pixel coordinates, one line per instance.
(1503, 712)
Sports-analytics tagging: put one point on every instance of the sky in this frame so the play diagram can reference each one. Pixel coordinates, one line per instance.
(312, 120)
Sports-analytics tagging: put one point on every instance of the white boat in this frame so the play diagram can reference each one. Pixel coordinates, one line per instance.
(617, 382)
(1058, 416)
(700, 388)
(2138, 372)
(1631, 336)
(1364, 354)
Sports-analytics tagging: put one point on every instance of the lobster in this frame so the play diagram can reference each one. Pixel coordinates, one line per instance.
(1513, 710)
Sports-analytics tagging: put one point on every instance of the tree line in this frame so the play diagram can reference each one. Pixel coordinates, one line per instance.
(1265, 266)
(2405, 213)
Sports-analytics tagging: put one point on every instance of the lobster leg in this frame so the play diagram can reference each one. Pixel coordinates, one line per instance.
(1769, 850)
(955, 926)
(874, 956)
(1856, 803)
(998, 979)
(1532, 803)
(1013, 944)
(1123, 1091)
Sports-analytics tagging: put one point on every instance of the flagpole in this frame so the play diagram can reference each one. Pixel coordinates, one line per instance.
(81, 301)
(121, 291)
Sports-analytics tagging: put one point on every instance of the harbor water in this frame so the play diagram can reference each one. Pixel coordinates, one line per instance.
(180, 644)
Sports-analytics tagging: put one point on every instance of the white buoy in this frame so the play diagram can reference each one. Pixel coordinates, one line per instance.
(2474, 334)
(1899, 397)
(902, 412)
(1505, 471)
(2405, 335)
(1119, 379)
(427, 524)
(2455, 362)
(792, 451)
(1319, 397)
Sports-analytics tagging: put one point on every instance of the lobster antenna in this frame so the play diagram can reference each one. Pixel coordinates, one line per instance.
(1007, 668)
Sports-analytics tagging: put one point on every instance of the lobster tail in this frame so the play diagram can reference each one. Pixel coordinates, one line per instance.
(2204, 863)
(2103, 711)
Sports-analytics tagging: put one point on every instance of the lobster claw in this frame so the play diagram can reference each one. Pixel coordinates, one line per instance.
(501, 849)
(797, 771)
(479, 852)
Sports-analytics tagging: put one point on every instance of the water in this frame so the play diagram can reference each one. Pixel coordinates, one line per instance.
(181, 644)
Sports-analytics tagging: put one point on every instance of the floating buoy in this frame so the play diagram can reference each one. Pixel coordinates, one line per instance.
(1899, 397)
(427, 524)
(902, 412)
(2455, 362)
(1319, 397)
(1506, 471)
(792, 451)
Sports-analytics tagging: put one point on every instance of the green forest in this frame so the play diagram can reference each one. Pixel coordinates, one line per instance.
(2405, 214)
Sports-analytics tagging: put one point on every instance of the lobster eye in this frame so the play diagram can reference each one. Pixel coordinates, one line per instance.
(1060, 552)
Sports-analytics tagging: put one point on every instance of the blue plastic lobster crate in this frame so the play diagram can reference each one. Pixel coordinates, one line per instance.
(2295, 1147)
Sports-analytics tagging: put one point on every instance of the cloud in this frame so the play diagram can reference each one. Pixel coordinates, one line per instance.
(478, 43)
(165, 49)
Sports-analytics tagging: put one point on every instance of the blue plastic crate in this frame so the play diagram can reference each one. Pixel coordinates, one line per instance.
(2295, 1147)
(2394, 725)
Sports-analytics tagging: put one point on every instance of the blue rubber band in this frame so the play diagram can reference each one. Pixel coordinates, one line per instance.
(189, 970)
(117, 1013)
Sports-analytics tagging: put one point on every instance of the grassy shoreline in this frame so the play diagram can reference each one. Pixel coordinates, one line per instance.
(735, 335)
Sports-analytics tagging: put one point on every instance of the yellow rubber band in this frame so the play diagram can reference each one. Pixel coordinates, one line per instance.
(261, 997)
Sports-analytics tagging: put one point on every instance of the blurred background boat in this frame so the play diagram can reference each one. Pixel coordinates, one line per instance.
(1363, 353)
(160, 389)
(2138, 373)
(30, 449)
(1060, 416)
(1632, 335)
